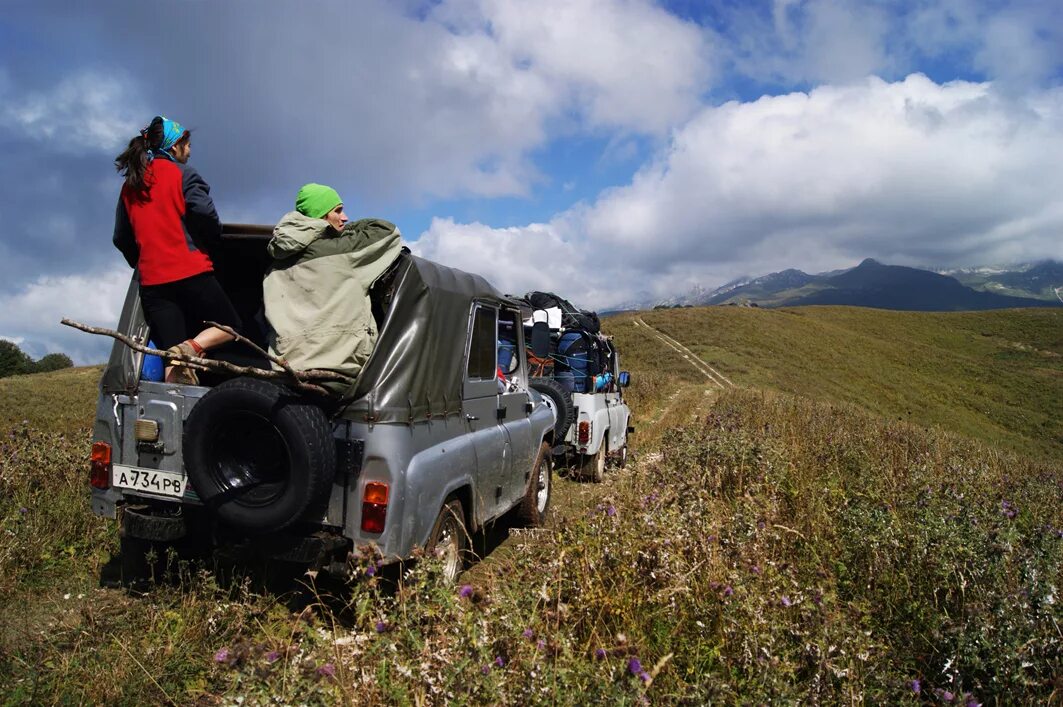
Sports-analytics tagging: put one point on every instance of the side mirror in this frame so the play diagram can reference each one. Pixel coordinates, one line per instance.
(624, 379)
(540, 336)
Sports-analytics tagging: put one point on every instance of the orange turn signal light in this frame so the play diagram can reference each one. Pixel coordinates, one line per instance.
(100, 465)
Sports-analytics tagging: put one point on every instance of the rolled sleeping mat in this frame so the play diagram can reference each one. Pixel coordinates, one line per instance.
(540, 334)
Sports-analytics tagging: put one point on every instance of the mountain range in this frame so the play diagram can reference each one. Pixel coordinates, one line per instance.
(874, 284)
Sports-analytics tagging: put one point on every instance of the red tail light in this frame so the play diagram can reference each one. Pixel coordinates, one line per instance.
(584, 434)
(100, 465)
(374, 507)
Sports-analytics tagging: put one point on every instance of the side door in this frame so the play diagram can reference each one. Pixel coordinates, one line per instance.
(479, 405)
(513, 404)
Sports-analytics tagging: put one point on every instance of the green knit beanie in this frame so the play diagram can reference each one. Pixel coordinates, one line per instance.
(316, 200)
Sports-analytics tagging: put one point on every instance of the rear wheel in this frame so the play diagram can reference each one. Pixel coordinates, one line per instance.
(536, 501)
(561, 401)
(449, 541)
(258, 456)
(620, 458)
(594, 465)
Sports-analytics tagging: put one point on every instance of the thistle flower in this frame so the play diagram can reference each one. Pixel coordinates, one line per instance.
(600, 654)
(370, 570)
(272, 657)
(222, 655)
(466, 591)
(634, 666)
(528, 633)
(500, 661)
(728, 591)
(327, 670)
(916, 686)
(786, 601)
(381, 627)
(610, 511)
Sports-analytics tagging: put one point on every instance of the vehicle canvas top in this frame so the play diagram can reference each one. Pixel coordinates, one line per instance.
(429, 312)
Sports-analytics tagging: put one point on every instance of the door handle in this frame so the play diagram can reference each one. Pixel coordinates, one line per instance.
(471, 418)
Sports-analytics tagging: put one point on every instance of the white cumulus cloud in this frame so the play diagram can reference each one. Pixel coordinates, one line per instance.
(31, 315)
(84, 112)
(911, 172)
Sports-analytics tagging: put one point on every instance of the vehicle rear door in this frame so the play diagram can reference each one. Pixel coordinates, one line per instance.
(513, 405)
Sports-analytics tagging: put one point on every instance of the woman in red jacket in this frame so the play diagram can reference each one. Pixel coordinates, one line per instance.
(164, 220)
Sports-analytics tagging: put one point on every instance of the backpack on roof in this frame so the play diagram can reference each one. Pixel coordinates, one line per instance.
(572, 317)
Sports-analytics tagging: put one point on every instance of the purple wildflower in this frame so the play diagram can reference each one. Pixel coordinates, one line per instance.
(222, 655)
(634, 666)
(760, 524)
(381, 627)
(485, 669)
(466, 591)
(945, 695)
(327, 670)
(756, 569)
(540, 644)
(644, 676)
(272, 657)
(610, 511)
(1008, 510)
(23, 510)
(600, 654)
(786, 601)
(500, 661)
(916, 686)
(370, 570)
(727, 591)
(711, 539)
(528, 633)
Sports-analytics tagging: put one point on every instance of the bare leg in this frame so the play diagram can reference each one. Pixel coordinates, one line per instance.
(211, 337)
(207, 339)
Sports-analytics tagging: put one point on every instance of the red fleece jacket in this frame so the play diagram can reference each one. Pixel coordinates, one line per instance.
(161, 233)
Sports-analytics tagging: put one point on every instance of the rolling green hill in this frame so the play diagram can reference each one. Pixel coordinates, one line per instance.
(996, 376)
(872, 514)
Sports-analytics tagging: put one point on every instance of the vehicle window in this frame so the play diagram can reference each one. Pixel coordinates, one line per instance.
(508, 360)
(482, 347)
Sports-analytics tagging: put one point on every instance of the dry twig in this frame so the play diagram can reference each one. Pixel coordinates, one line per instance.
(303, 380)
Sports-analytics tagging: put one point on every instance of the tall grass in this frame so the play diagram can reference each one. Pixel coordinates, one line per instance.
(778, 550)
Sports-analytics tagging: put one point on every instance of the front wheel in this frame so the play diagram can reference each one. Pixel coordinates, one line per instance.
(449, 540)
(536, 501)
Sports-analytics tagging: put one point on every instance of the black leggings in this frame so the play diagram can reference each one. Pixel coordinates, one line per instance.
(176, 311)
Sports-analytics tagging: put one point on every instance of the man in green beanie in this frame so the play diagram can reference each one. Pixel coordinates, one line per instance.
(319, 201)
(317, 290)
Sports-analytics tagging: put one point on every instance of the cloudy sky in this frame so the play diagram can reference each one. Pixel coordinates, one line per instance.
(608, 150)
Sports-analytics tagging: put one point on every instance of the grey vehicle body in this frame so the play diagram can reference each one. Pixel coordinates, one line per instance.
(427, 417)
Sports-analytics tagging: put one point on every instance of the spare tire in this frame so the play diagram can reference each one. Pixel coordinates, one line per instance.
(562, 402)
(257, 455)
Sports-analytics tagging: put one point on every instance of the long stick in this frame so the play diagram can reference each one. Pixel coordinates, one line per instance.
(298, 378)
(242, 339)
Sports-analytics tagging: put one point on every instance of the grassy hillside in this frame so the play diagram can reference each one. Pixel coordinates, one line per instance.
(995, 376)
(764, 547)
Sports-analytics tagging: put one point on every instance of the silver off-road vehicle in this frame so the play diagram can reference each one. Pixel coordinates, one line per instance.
(430, 443)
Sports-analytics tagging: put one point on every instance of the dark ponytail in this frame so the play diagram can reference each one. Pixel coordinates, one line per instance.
(133, 162)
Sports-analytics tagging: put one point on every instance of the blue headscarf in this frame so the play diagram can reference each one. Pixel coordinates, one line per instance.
(172, 131)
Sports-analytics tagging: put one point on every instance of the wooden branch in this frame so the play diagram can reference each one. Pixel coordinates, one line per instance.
(244, 340)
(303, 380)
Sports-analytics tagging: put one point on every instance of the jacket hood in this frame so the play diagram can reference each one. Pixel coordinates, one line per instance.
(294, 233)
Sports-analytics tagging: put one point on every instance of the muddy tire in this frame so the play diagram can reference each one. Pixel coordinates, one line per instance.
(449, 541)
(257, 455)
(536, 503)
(594, 465)
(561, 400)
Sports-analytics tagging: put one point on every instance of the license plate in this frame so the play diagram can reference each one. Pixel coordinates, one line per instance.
(166, 483)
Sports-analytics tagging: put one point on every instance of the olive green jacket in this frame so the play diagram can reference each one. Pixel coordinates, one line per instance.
(317, 290)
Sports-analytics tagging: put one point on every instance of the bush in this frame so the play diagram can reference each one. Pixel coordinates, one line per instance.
(52, 362)
(13, 360)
